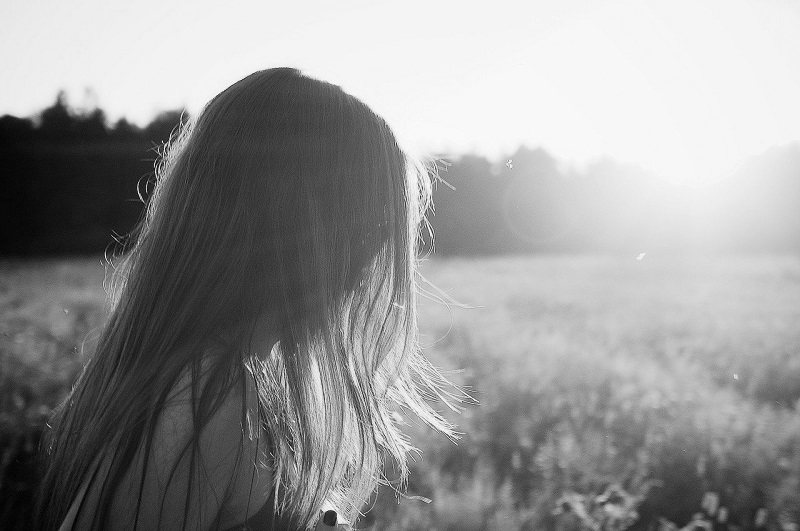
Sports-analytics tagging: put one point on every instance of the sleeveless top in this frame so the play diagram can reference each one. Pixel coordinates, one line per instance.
(263, 520)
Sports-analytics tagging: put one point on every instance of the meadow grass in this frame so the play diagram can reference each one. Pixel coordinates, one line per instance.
(669, 377)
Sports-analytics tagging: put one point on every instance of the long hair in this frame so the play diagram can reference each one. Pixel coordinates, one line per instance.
(288, 196)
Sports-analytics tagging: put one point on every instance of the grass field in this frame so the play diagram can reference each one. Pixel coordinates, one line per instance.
(667, 378)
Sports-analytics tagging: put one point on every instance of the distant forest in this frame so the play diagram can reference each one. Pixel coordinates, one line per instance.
(72, 183)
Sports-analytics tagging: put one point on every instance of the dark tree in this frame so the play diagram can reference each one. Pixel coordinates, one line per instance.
(124, 130)
(13, 129)
(466, 217)
(163, 125)
(91, 126)
(536, 206)
(56, 120)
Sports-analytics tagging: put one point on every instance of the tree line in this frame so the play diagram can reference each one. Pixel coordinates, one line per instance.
(74, 183)
(530, 202)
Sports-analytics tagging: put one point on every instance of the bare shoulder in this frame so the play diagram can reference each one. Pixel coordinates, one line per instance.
(232, 472)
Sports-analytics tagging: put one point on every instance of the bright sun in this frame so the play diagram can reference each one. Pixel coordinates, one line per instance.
(684, 89)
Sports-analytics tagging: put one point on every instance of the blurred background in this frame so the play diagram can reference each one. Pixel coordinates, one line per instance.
(619, 203)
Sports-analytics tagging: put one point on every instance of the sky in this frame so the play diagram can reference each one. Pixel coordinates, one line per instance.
(684, 89)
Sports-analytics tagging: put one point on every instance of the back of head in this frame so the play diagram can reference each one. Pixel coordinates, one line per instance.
(285, 197)
(280, 195)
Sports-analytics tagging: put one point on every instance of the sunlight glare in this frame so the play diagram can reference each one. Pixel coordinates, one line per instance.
(688, 92)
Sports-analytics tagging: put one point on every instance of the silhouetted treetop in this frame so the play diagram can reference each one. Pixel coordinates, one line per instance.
(64, 124)
(165, 123)
(56, 121)
(15, 129)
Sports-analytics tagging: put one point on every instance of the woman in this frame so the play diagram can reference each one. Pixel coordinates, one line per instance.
(263, 331)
